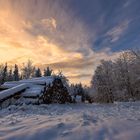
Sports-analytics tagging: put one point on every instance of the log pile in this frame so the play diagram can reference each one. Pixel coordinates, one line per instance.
(56, 93)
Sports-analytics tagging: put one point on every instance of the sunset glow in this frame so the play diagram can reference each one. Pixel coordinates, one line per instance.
(51, 34)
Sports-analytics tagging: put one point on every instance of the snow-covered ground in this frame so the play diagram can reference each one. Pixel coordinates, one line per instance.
(119, 121)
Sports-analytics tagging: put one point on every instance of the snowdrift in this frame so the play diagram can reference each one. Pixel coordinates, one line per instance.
(120, 121)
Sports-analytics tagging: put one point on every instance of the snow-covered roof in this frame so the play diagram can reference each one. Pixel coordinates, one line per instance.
(10, 92)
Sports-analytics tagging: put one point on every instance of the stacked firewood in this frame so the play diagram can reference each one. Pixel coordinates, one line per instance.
(56, 93)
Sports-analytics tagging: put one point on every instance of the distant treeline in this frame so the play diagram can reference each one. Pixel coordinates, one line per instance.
(117, 80)
(26, 72)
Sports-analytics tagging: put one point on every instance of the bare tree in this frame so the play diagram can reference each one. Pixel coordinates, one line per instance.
(28, 70)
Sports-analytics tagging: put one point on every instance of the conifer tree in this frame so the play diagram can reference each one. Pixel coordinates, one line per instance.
(5, 74)
(47, 72)
(16, 73)
(1, 73)
(38, 73)
(10, 75)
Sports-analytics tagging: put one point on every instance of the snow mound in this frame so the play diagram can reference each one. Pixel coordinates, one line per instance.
(119, 121)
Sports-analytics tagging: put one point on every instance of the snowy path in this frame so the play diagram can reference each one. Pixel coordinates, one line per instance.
(120, 121)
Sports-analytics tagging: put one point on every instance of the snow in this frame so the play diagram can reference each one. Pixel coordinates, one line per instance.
(41, 80)
(119, 121)
(34, 90)
(36, 81)
(9, 92)
(35, 84)
(78, 99)
(10, 84)
(35, 87)
(30, 81)
(28, 100)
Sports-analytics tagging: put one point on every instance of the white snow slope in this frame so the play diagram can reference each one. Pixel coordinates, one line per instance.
(119, 121)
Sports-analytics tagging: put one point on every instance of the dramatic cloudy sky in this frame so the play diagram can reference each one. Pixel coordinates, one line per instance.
(68, 35)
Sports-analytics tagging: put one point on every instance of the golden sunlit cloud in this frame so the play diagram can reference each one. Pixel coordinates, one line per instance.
(48, 35)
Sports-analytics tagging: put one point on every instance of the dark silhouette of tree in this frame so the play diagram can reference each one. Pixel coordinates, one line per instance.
(10, 75)
(38, 72)
(48, 72)
(16, 73)
(5, 74)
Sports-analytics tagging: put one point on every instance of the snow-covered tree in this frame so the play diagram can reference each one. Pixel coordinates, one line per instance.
(77, 90)
(28, 70)
(103, 82)
(118, 80)
(64, 79)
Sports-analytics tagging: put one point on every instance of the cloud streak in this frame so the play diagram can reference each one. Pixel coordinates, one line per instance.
(116, 32)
